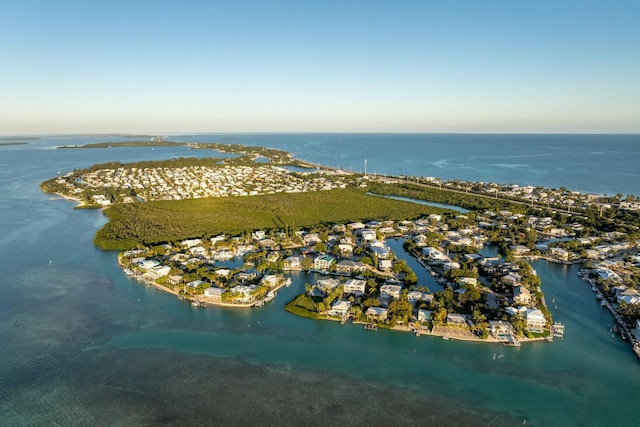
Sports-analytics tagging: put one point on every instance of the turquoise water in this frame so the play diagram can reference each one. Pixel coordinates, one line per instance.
(82, 343)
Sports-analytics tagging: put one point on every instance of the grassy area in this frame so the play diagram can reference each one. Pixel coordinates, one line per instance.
(149, 223)
(302, 306)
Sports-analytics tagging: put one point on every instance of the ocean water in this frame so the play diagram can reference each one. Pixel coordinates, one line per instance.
(83, 344)
(601, 164)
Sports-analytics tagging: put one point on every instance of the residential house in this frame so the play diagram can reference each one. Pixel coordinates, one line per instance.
(198, 251)
(456, 319)
(519, 250)
(323, 262)
(368, 235)
(535, 320)
(385, 264)
(500, 329)
(270, 280)
(559, 253)
(158, 272)
(346, 250)
(512, 279)
(450, 265)
(224, 272)
(244, 291)
(348, 266)
(245, 276)
(174, 279)
(311, 239)
(327, 284)
(292, 263)
(191, 243)
(462, 281)
(268, 244)
(377, 313)
(356, 287)
(607, 274)
(424, 315)
(628, 296)
(194, 284)
(214, 293)
(380, 249)
(435, 254)
(388, 291)
(415, 296)
(340, 308)
(521, 295)
(148, 264)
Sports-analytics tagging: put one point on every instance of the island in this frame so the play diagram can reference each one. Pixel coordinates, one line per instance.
(180, 222)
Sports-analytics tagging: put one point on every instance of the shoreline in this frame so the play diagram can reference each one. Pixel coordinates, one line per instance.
(452, 333)
(79, 203)
(202, 300)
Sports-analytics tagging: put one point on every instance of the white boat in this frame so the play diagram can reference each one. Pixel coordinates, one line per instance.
(270, 296)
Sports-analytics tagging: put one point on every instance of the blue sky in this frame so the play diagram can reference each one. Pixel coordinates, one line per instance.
(319, 66)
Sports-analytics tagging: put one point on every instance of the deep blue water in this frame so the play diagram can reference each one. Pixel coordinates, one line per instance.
(602, 164)
(83, 344)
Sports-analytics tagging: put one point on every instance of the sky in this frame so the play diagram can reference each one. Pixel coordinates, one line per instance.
(522, 66)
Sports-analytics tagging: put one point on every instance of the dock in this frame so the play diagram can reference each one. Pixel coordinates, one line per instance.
(371, 327)
(512, 342)
(621, 327)
(557, 329)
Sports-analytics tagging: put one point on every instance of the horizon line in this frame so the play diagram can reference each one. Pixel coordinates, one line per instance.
(153, 134)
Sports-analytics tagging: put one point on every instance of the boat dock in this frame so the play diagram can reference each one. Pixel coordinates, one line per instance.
(513, 341)
(621, 327)
(557, 330)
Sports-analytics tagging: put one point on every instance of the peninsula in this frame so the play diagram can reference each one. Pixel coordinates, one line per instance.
(180, 221)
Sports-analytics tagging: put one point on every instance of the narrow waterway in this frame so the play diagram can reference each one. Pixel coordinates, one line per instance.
(424, 277)
(423, 202)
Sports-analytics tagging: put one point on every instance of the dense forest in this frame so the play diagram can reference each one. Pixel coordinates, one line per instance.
(135, 224)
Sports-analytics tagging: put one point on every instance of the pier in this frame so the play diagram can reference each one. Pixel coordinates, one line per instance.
(622, 327)
(557, 330)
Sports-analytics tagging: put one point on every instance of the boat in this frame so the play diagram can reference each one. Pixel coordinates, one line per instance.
(603, 303)
(270, 296)
(636, 348)
(557, 329)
